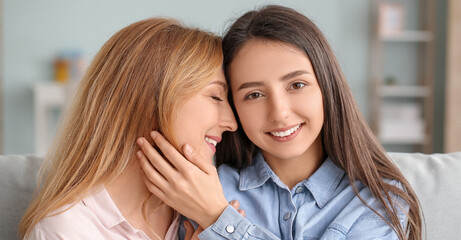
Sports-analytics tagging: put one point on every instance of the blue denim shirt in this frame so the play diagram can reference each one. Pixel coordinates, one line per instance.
(324, 206)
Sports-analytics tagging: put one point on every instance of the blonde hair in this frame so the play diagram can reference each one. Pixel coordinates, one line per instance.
(134, 85)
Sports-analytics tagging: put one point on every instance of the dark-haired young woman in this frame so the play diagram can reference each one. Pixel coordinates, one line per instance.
(303, 162)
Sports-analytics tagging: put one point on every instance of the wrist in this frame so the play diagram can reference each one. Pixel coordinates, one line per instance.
(213, 215)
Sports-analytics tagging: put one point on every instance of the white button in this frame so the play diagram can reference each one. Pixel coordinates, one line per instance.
(286, 216)
(299, 190)
(230, 229)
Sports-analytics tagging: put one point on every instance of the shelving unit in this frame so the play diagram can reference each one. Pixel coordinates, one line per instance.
(402, 74)
(49, 97)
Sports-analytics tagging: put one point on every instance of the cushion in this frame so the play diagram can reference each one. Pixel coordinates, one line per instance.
(435, 179)
(18, 174)
(437, 183)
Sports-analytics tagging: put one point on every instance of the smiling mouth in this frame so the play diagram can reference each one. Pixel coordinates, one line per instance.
(285, 133)
(211, 141)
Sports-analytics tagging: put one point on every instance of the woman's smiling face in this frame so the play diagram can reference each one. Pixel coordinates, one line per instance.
(277, 98)
(203, 118)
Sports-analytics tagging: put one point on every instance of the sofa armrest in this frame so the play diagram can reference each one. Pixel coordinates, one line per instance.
(18, 177)
(436, 179)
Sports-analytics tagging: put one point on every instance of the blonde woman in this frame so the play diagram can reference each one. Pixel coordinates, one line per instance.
(152, 75)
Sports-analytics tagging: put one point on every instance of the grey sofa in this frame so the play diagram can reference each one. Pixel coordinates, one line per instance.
(18, 174)
(435, 178)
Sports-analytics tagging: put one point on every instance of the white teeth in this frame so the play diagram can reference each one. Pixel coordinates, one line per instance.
(211, 141)
(285, 133)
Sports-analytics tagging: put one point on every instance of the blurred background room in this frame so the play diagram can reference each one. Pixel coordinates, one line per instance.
(402, 60)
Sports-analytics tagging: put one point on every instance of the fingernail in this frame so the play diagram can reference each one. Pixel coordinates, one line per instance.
(153, 134)
(139, 141)
(234, 203)
(188, 149)
(139, 154)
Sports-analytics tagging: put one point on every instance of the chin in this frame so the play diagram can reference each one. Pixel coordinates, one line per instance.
(208, 158)
(288, 154)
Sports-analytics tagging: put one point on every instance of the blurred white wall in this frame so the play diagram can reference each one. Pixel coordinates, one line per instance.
(33, 32)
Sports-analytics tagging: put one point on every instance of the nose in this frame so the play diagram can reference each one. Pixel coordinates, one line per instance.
(278, 107)
(227, 118)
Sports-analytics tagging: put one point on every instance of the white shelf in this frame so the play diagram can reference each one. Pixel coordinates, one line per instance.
(407, 36)
(403, 140)
(47, 97)
(404, 91)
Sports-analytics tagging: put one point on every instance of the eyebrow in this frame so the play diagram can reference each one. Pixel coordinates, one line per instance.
(220, 83)
(283, 78)
(293, 75)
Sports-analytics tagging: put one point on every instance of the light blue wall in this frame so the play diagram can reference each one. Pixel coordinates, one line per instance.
(34, 31)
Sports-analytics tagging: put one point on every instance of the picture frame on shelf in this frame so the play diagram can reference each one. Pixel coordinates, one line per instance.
(391, 18)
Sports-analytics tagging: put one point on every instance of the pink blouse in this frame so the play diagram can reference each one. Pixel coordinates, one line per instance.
(95, 217)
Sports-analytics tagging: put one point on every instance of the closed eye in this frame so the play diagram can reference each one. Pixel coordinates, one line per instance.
(216, 98)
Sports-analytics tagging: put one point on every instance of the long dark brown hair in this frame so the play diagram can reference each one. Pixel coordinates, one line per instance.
(346, 138)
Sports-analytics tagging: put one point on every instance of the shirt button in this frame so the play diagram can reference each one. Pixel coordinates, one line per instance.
(286, 216)
(230, 229)
(299, 190)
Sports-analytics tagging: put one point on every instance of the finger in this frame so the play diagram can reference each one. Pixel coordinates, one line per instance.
(170, 152)
(242, 212)
(153, 188)
(189, 230)
(203, 164)
(197, 232)
(150, 173)
(235, 204)
(157, 161)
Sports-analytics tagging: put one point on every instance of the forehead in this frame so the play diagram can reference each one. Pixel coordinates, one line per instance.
(264, 59)
(219, 76)
(218, 80)
(268, 44)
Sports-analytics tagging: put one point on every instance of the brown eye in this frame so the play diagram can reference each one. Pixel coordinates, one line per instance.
(253, 95)
(297, 85)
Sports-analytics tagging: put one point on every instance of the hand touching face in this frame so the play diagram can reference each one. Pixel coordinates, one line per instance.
(191, 186)
(204, 117)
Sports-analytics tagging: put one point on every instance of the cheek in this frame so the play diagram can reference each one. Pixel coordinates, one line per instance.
(318, 106)
(180, 131)
(186, 126)
(313, 107)
(251, 117)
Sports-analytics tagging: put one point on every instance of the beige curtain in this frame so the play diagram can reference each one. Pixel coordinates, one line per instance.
(1, 79)
(453, 83)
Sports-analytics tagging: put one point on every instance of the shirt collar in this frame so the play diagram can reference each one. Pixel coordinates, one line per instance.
(255, 175)
(321, 184)
(102, 205)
